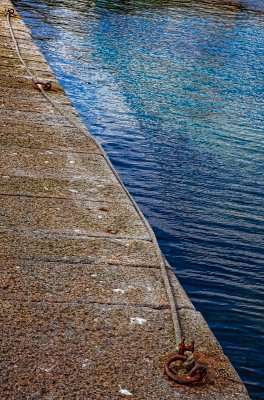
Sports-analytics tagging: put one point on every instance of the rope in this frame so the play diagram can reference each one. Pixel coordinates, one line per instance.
(161, 258)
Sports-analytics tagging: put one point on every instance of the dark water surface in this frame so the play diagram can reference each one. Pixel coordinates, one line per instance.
(174, 92)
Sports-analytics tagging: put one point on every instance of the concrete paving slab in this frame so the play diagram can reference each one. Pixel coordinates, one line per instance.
(47, 119)
(58, 174)
(76, 216)
(8, 51)
(24, 280)
(23, 95)
(54, 164)
(12, 62)
(21, 34)
(85, 187)
(77, 349)
(25, 43)
(34, 104)
(52, 138)
(76, 249)
(18, 23)
(38, 108)
(19, 71)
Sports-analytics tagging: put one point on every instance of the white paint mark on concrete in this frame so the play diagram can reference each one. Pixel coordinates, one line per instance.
(138, 321)
(121, 291)
(47, 369)
(80, 231)
(86, 362)
(124, 392)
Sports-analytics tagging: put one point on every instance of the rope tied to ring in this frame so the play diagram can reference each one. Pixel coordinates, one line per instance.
(196, 371)
(196, 374)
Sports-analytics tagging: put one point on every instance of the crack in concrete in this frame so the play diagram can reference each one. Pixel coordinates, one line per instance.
(88, 263)
(82, 302)
(63, 149)
(72, 234)
(36, 196)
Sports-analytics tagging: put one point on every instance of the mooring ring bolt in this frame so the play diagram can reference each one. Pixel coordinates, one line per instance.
(10, 11)
(182, 347)
(196, 374)
(45, 86)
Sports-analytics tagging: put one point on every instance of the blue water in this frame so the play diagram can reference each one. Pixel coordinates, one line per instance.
(174, 92)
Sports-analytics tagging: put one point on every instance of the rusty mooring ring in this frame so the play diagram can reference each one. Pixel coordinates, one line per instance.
(10, 11)
(196, 374)
(45, 86)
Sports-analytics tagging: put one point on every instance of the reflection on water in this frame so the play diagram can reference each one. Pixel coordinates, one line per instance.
(174, 91)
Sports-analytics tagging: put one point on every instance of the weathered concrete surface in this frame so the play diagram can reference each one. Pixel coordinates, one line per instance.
(84, 312)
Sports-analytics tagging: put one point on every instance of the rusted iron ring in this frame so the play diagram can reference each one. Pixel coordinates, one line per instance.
(10, 11)
(45, 86)
(196, 374)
